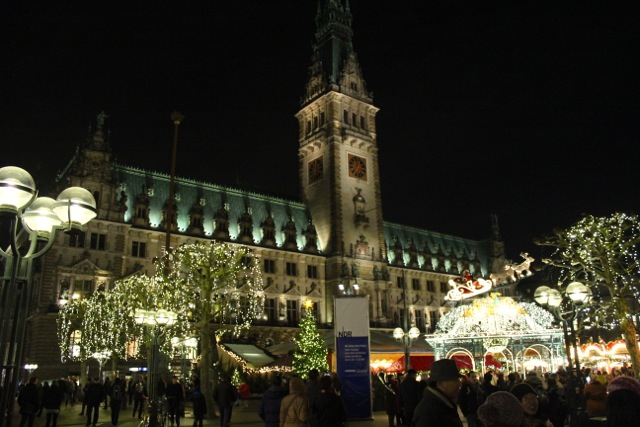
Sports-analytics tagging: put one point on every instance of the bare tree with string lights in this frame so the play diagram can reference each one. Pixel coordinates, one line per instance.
(602, 253)
(218, 289)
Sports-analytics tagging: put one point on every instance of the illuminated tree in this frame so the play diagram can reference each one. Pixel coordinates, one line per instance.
(311, 353)
(94, 325)
(602, 253)
(218, 287)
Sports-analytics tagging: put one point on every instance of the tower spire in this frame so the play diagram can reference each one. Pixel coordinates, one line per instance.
(333, 55)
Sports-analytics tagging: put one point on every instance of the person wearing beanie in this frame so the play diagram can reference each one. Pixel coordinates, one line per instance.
(528, 398)
(438, 404)
(623, 402)
(501, 409)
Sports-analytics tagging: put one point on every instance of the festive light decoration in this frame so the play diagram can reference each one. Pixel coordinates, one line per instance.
(501, 326)
(494, 315)
(602, 253)
(311, 353)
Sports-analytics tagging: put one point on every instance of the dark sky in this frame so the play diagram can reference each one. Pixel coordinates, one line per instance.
(529, 109)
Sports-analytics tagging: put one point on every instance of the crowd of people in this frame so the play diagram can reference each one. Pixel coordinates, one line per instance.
(443, 398)
(35, 399)
(491, 400)
(296, 403)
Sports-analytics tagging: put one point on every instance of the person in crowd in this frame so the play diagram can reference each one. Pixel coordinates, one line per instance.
(51, 401)
(595, 395)
(294, 409)
(269, 409)
(84, 396)
(199, 406)
(623, 402)
(487, 384)
(312, 389)
(69, 393)
(328, 407)
(42, 389)
(501, 409)
(558, 407)
(411, 391)
(175, 400)
(438, 404)
(225, 394)
(244, 393)
(512, 379)
(29, 401)
(471, 396)
(393, 401)
(139, 397)
(528, 398)
(107, 391)
(117, 398)
(162, 386)
(94, 396)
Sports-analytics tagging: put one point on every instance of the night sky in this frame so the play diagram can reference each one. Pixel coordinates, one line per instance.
(529, 109)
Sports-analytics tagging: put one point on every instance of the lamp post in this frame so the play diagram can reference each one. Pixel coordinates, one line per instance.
(29, 224)
(565, 309)
(30, 367)
(406, 338)
(156, 320)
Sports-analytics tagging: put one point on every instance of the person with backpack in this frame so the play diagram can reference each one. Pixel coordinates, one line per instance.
(117, 397)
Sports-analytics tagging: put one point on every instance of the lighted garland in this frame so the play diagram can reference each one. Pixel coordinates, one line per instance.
(494, 315)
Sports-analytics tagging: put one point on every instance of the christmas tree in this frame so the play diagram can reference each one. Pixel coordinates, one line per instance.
(311, 353)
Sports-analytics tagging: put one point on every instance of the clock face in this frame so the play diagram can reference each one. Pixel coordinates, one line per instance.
(357, 167)
(315, 170)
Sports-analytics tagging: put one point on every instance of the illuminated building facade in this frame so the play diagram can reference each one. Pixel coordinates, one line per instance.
(335, 236)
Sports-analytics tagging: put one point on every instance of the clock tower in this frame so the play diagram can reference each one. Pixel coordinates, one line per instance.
(338, 152)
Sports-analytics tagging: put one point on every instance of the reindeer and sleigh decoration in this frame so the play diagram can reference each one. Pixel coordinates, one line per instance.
(467, 286)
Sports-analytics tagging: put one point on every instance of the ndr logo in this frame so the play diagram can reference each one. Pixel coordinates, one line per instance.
(344, 334)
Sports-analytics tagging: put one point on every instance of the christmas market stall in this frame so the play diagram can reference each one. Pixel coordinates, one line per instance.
(517, 336)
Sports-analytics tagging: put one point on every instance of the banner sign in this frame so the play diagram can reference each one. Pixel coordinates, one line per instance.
(352, 355)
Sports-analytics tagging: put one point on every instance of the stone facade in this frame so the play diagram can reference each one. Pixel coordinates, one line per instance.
(335, 236)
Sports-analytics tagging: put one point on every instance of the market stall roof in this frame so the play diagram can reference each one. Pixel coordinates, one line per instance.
(382, 341)
(252, 355)
(423, 363)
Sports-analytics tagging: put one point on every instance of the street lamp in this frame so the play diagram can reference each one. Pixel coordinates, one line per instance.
(30, 367)
(157, 320)
(31, 223)
(406, 338)
(565, 309)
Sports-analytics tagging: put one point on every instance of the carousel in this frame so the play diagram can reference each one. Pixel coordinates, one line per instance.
(498, 332)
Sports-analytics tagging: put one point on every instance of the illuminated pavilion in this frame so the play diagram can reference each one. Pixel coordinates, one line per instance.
(519, 335)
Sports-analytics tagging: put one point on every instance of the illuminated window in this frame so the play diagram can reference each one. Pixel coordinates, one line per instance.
(271, 309)
(420, 319)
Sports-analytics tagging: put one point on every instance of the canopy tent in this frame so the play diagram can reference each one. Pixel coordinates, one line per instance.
(423, 363)
(249, 356)
(381, 341)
